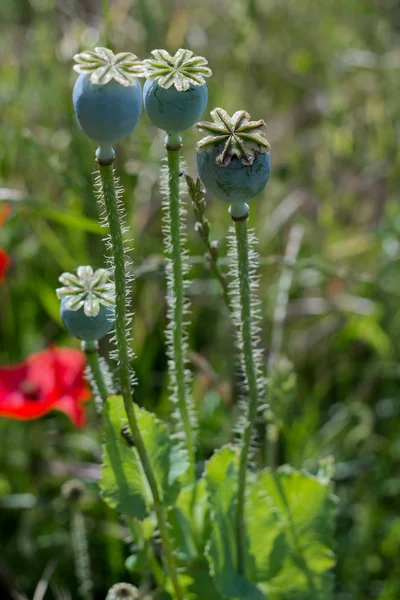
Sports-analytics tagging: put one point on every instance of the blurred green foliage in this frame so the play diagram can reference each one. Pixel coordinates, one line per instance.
(325, 76)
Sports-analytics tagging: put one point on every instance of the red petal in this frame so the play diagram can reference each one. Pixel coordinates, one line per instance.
(14, 401)
(5, 262)
(47, 380)
(73, 409)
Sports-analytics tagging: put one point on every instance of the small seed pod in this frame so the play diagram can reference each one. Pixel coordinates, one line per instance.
(122, 590)
(233, 159)
(87, 328)
(73, 490)
(87, 303)
(107, 96)
(175, 93)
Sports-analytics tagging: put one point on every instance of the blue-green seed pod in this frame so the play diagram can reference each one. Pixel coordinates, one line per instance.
(233, 158)
(172, 110)
(87, 328)
(107, 113)
(175, 93)
(234, 182)
(107, 96)
(87, 303)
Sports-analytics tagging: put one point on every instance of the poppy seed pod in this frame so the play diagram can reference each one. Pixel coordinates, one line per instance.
(235, 182)
(175, 93)
(87, 303)
(107, 95)
(87, 328)
(107, 113)
(233, 159)
(172, 110)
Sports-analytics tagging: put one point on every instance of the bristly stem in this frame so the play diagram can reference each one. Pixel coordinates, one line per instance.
(109, 194)
(72, 491)
(249, 364)
(177, 360)
(98, 383)
(81, 554)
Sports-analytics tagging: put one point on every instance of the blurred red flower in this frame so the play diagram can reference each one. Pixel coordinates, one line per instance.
(48, 380)
(4, 264)
(5, 260)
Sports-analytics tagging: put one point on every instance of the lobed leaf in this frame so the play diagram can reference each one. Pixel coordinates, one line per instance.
(290, 531)
(221, 481)
(123, 483)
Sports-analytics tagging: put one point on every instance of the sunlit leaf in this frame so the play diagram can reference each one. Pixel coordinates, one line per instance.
(221, 482)
(124, 485)
(290, 531)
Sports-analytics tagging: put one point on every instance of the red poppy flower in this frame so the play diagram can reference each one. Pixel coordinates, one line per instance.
(47, 380)
(4, 258)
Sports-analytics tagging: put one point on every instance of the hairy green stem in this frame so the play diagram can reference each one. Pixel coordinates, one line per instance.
(81, 554)
(92, 359)
(250, 372)
(173, 144)
(117, 243)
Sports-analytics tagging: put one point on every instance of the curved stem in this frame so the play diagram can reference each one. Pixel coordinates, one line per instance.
(92, 360)
(173, 144)
(118, 251)
(250, 372)
(197, 194)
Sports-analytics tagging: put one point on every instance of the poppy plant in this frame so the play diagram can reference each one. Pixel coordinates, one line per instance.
(52, 379)
(4, 258)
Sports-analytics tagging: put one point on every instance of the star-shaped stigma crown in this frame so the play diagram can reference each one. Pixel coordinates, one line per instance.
(87, 289)
(181, 70)
(103, 66)
(238, 135)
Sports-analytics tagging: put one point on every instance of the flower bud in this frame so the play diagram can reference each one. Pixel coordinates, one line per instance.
(122, 591)
(72, 490)
(214, 248)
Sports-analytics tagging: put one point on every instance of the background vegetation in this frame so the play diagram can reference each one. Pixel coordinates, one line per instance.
(325, 76)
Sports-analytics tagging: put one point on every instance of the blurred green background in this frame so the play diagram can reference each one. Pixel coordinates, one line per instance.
(325, 77)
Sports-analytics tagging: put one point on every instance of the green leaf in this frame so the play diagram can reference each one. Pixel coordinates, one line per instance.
(72, 220)
(221, 481)
(290, 530)
(123, 483)
(198, 584)
(189, 522)
(190, 529)
(367, 329)
(69, 219)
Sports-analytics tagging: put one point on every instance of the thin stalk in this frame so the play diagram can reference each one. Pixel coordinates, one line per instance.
(271, 432)
(92, 359)
(178, 342)
(72, 491)
(109, 194)
(282, 299)
(250, 372)
(81, 554)
(202, 227)
(105, 9)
